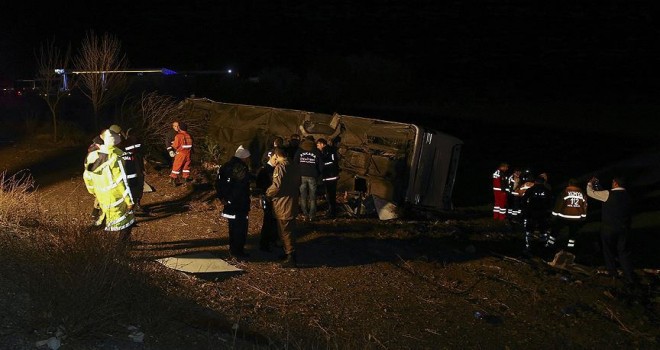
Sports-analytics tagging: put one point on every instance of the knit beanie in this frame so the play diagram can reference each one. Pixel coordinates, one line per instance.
(241, 152)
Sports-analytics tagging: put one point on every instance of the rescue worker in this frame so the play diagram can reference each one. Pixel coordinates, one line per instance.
(233, 190)
(264, 178)
(329, 174)
(292, 146)
(513, 198)
(182, 144)
(527, 181)
(96, 209)
(278, 142)
(308, 159)
(134, 162)
(97, 220)
(544, 175)
(499, 192)
(105, 178)
(536, 205)
(169, 139)
(570, 210)
(284, 192)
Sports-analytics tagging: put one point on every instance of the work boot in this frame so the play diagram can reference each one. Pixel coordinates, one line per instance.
(172, 181)
(97, 217)
(138, 210)
(239, 255)
(290, 261)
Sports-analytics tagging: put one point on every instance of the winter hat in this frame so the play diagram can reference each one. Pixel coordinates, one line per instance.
(115, 128)
(110, 138)
(241, 152)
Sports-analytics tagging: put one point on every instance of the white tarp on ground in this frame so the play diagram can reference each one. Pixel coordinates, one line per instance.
(147, 188)
(198, 263)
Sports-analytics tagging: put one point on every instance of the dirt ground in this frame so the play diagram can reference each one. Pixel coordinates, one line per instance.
(454, 281)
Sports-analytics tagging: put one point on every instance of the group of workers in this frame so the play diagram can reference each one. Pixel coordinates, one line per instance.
(521, 197)
(286, 182)
(114, 174)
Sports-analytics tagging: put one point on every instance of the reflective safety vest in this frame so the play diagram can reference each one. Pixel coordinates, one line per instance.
(105, 178)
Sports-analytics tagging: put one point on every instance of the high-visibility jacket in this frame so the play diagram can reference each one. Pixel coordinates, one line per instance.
(571, 204)
(105, 178)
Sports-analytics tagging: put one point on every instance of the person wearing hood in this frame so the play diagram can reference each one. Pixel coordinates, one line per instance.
(310, 161)
(97, 142)
(105, 178)
(233, 190)
(283, 192)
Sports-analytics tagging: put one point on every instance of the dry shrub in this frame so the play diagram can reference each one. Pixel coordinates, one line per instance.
(78, 278)
(17, 202)
(156, 114)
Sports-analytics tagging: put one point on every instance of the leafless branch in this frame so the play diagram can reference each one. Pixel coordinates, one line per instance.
(98, 63)
(49, 58)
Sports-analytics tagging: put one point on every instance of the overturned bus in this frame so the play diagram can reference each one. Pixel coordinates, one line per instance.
(406, 164)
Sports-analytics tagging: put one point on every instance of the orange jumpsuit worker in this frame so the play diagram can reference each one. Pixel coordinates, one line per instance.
(183, 145)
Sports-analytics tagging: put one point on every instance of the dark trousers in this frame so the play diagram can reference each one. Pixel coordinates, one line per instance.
(563, 240)
(331, 196)
(615, 244)
(268, 233)
(533, 221)
(238, 229)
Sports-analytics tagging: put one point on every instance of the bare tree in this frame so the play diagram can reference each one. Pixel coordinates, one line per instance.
(156, 114)
(49, 58)
(99, 66)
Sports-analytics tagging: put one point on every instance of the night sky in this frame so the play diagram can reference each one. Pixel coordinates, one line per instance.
(600, 45)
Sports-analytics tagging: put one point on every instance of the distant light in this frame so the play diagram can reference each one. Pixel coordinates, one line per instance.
(59, 71)
(168, 71)
(229, 71)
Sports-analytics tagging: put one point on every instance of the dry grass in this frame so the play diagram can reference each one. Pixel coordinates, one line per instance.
(79, 279)
(18, 204)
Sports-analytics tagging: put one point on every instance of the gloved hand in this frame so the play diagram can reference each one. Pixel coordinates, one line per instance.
(172, 154)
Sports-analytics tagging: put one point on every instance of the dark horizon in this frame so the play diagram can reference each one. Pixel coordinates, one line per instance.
(596, 48)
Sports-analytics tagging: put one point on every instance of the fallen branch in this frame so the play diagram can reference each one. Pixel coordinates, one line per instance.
(508, 258)
(410, 336)
(613, 316)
